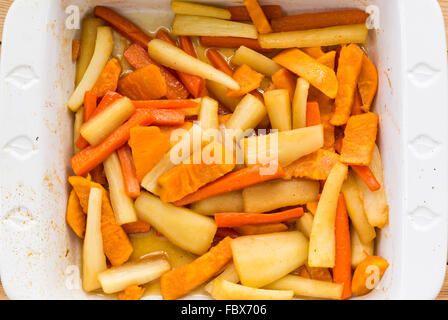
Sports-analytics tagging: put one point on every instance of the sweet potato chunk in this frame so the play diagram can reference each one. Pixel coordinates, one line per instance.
(146, 83)
(315, 166)
(247, 78)
(359, 139)
(76, 218)
(131, 293)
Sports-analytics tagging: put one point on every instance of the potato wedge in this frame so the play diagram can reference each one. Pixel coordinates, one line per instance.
(227, 202)
(225, 290)
(263, 259)
(282, 193)
(255, 60)
(183, 227)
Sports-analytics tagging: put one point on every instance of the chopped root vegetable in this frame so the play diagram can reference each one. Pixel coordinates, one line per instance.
(148, 146)
(349, 68)
(232, 42)
(312, 207)
(137, 272)
(257, 16)
(165, 104)
(234, 219)
(185, 179)
(319, 75)
(103, 49)
(303, 287)
(305, 224)
(89, 158)
(182, 280)
(184, 228)
(229, 274)
(165, 117)
(131, 293)
(315, 52)
(360, 251)
(368, 274)
(299, 105)
(255, 60)
(219, 62)
(318, 20)
(204, 26)
(368, 177)
(261, 229)
(234, 181)
(278, 105)
(316, 273)
(225, 290)
(76, 48)
(248, 80)
(173, 57)
(138, 57)
(195, 9)
(247, 115)
(328, 59)
(359, 139)
(342, 271)
(123, 25)
(131, 183)
(283, 79)
(315, 166)
(90, 99)
(219, 91)
(322, 238)
(94, 260)
(108, 80)
(312, 114)
(357, 104)
(116, 244)
(208, 116)
(275, 255)
(367, 83)
(139, 226)
(143, 84)
(240, 13)
(330, 36)
(76, 218)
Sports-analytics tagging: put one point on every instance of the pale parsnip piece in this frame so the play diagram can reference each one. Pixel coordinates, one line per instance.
(186, 146)
(103, 49)
(132, 273)
(189, 230)
(375, 203)
(278, 105)
(208, 116)
(271, 195)
(322, 238)
(305, 224)
(204, 26)
(227, 202)
(175, 58)
(256, 61)
(122, 204)
(331, 36)
(225, 290)
(247, 115)
(355, 208)
(93, 258)
(263, 259)
(299, 104)
(291, 145)
(360, 251)
(219, 91)
(229, 274)
(102, 125)
(88, 39)
(196, 9)
(79, 120)
(304, 287)
(121, 43)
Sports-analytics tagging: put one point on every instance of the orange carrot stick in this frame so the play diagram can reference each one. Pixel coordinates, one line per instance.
(131, 183)
(357, 104)
(89, 158)
(89, 105)
(178, 282)
(283, 79)
(143, 84)
(138, 57)
(187, 45)
(257, 16)
(312, 114)
(164, 117)
(318, 20)
(194, 84)
(123, 25)
(219, 62)
(76, 49)
(232, 42)
(108, 80)
(368, 177)
(342, 271)
(139, 226)
(236, 219)
(234, 181)
(240, 13)
(261, 228)
(165, 104)
(247, 78)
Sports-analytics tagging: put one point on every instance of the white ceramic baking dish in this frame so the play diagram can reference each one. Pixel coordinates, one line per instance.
(39, 255)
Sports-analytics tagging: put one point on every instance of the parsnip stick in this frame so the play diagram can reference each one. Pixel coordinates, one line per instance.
(229, 274)
(175, 58)
(122, 204)
(299, 104)
(360, 251)
(225, 290)
(247, 115)
(103, 49)
(322, 238)
(316, 37)
(305, 224)
(278, 105)
(227, 202)
(256, 61)
(204, 26)
(94, 260)
(219, 91)
(196, 9)
(79, 119)
(208, 116)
